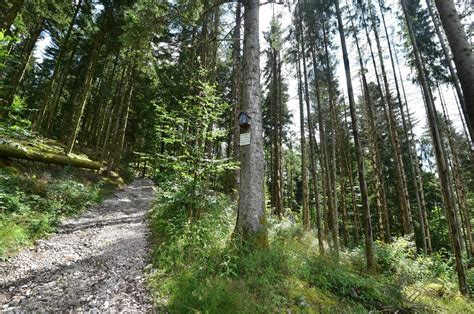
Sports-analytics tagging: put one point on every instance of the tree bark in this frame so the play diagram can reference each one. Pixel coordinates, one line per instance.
(455, 78)
(462, 53)
(441, 160)
(382, 211)
(236, 91)
(51, 158)
(251, 227)
(45, 103)
(304, 175)
(81, 96)
(313, 147)
(332, 169)
(369, 245)
(19, 73)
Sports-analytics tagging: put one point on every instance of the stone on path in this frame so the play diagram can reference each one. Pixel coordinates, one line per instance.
(95, 262)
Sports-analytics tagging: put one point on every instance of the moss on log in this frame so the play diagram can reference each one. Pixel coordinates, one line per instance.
(20, 152)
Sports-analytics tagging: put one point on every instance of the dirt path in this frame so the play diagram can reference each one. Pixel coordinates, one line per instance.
(95, 262)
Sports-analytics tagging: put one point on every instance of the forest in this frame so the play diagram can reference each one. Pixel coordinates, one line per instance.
(237, 156)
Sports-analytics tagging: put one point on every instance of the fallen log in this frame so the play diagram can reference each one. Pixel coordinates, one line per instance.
(20, 152)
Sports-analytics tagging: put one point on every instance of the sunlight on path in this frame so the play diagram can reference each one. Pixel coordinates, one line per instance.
(95, 262)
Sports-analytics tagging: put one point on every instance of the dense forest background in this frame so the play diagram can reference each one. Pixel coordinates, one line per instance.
(156, 88)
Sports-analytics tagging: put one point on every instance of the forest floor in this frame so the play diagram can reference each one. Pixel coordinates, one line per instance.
(95, 261)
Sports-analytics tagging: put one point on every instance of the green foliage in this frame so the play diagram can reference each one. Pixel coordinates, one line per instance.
(400, 259)
(31, 206)
(199, 268)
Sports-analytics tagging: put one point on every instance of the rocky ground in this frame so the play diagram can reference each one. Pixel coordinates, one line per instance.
(95, 262)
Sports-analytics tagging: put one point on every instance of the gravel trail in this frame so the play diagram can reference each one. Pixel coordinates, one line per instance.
(95, 262)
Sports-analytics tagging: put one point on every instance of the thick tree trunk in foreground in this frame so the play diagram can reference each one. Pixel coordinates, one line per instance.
(369, 243)
(251, 227)
(462, 53)
(441, 159)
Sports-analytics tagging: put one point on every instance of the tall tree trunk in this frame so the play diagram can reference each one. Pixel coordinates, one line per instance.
(458, 182)
(304, 175)
(236, 92)
(382, 211)
(304, 167)
(314, 172)
(45, 103)
(332, 168)
(462, 53)
(369, 244)
(455, 78)
(390, 117)
(25, 57)
(81, 96)
(58, 92)
(348, 161)
(277, 197)
(441, 160)
(415, 163)
(123, 125)
(418, 180)
(251, 225)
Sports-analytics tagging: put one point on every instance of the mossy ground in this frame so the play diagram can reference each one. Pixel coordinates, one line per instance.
(197, 268)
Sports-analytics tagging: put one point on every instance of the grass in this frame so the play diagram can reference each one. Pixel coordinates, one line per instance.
(33, 200)
(198, 269)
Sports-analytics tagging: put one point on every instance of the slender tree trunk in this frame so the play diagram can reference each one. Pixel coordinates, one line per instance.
(58, 92)
(314, 173)
(332, 170)
(458, 182)
(462, 53)
(251, 219)
(390, 117)
(81, 97)
(418, 181)
(415, 163)
(441, 160)
(382, 211)
(369, 245)
(19, 73)
(304, 175)
(123, 126)
(236, 92)
(455, 79)
(348, 161)
(45, 103)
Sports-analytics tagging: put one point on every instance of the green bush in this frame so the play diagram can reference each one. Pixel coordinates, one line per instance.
(31, 206)
(199, 269)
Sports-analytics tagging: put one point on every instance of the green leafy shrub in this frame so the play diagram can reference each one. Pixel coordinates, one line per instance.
(199, 269)
(31, 206)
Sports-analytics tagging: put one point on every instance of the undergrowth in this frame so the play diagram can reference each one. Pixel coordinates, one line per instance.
(32, 202)
(196, 267)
